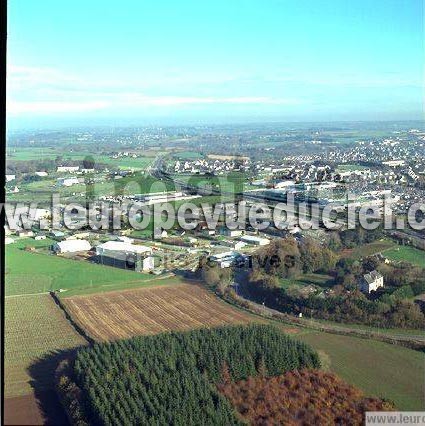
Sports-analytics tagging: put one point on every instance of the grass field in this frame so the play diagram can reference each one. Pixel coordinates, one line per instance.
(42, 190)
(232, 182)
(188, 155)
(34, 327)
(379, 369)
(125, 314)
(370, 249)
(406, 254)
(380, 330)
(350, 167)
(320, 280)
(29, 272)
(31, 153)
(37, 153)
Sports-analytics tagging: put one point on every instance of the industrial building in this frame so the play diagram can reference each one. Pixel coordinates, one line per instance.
(125, 255)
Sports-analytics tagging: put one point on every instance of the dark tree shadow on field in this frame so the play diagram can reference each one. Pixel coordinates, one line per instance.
(42, 373)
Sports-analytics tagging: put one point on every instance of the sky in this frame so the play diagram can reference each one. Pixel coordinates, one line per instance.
(189, 61)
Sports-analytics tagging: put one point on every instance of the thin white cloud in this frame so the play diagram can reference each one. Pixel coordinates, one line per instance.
(58, 107)
(52, 107)
(41, 91)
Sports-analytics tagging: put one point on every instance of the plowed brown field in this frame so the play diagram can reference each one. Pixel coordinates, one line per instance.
(124, 314)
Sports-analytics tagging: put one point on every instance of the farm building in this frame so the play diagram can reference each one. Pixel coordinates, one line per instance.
(125, 255)
(57, 234)
(230, 232)
(227, 259)
(159, 233)
(256, 241)
(239, 244)
(71, 169)
(68, 181)
(371, 282)
(71, 246)
(25, 233)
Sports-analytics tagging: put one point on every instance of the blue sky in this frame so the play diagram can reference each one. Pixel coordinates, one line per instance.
(223, 60)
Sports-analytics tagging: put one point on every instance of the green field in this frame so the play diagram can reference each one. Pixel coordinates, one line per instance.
(29, 272)
(350, 167)
(104, 288)
(389, 331)
(188, 155)
(37, 153)
(34, 328)
(406, 254)
(139, 163)
(232, 182)
(319, 280)
(33, 153)
(370, 249)
(379, 369)
(41, 191)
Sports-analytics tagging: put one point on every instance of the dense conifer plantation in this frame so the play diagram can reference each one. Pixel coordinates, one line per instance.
(171, 378)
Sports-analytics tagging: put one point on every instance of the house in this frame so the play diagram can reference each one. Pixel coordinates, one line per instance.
(256, 241)
(8, 240)
(230, 232)
(284, 184)
(160, 233)
(39, 237)
(227, 259)
(42, 214)
(41, 174)
(79, 236)
(70, 169)
(71, 246)
(9, 178)
(68, 181)
(371, 282)
(57, 234)
(25, 233)
(239, 244)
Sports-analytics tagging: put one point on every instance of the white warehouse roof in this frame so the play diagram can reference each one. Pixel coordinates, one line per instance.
(69, 246)
(122, 247)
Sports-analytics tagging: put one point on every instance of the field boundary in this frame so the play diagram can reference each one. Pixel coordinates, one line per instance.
(264, 312)
(69, 318)
(150, 311)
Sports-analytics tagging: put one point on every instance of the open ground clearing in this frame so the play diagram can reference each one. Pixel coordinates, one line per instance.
(30, 272)
(129, 313)
(379, 369)
(370, 249)
(320, 280)
(406, 254)
(26, 410)
(38, 153)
